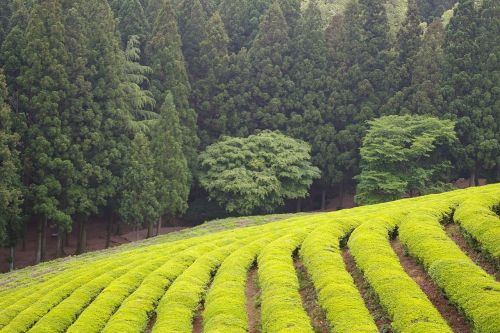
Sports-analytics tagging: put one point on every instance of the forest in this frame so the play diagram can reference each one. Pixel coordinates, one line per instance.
(141, 111)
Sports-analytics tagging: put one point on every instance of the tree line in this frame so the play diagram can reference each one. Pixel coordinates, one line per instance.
(106, 105)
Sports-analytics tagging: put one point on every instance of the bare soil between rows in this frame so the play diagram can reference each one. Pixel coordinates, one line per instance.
(382, 321)
(455, 319)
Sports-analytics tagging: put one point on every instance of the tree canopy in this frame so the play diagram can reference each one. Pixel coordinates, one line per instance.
(403, 155)
(257, 173)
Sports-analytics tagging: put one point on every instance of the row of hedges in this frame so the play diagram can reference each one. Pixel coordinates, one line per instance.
(408, 307)
(337, 293)
(477, 218)
(471, 289)
(281, 308)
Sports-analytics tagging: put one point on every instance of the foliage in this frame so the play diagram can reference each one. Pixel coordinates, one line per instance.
(10, 180)
(170, 166)
(258, 172)
(464, 283)
(337, 293)
(139, 203)
(401, 156)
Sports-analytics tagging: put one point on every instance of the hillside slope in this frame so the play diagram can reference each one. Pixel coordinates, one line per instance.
(160, 284)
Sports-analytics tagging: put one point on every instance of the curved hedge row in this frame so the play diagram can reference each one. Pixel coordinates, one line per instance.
(337, 294)
(176, 309)
(471, 289)
(408, 307)
(477, 218)
(281, 307)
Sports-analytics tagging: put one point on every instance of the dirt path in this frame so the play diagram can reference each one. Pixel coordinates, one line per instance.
(454, 232)
(198, 320)
(310, 299)
(381, 320)
(252, 293)
(455, 319)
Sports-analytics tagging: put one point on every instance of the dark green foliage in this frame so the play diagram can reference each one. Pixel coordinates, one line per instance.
(433, 9)
(10, 180)
(402, 155)
(192, 27)
(172, 181)
(360, 82)
(208, 89)
(164, 56)
(43, 86)
(131, 20)
(270, 63)
(139, 204)
(241, 19)
(307, 106)
(257, 173)
(471, 84)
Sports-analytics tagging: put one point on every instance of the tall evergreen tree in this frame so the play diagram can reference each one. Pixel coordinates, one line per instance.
(99, 116)
(241, 19)
(310, 74)
(408, 44)
(164, 54)
(10, 180)
(360, 84)
(171, 168)
(5, 15)
(192, 27)
(131, 20)
(139, 204)
(470, 93)
(43, 90)
(270, 62)
(212, 60)
(423, 96)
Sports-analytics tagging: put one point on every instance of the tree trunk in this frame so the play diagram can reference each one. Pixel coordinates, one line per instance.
(67, 239)
(43, 250)
(158, 226)
(38, 256)
(12, 257)
(150, 230)
(25, 232)
(82, 238)
(136, 233)
(299, 205)
(60, 243)
(472, 179)
(118, 229)
(341, 195)
(323, 199)
(108, 231)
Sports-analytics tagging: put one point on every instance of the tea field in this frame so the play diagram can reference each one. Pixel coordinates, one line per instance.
(198, 280)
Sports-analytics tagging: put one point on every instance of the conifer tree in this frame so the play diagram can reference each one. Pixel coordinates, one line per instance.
(192, 27)
(241, 19)
(5, 15)
(469, 92)
(139, 204)
(360, 86)
(310, 74)
(43, 84)
(164, 55)
(10, 180)
(269, 58)
(212, 60)
(99, 113)
(408, 44)
(131, 20)
(171, 168)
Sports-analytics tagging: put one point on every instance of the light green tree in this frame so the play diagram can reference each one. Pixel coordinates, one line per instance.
(403, 155)
(257, 173)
